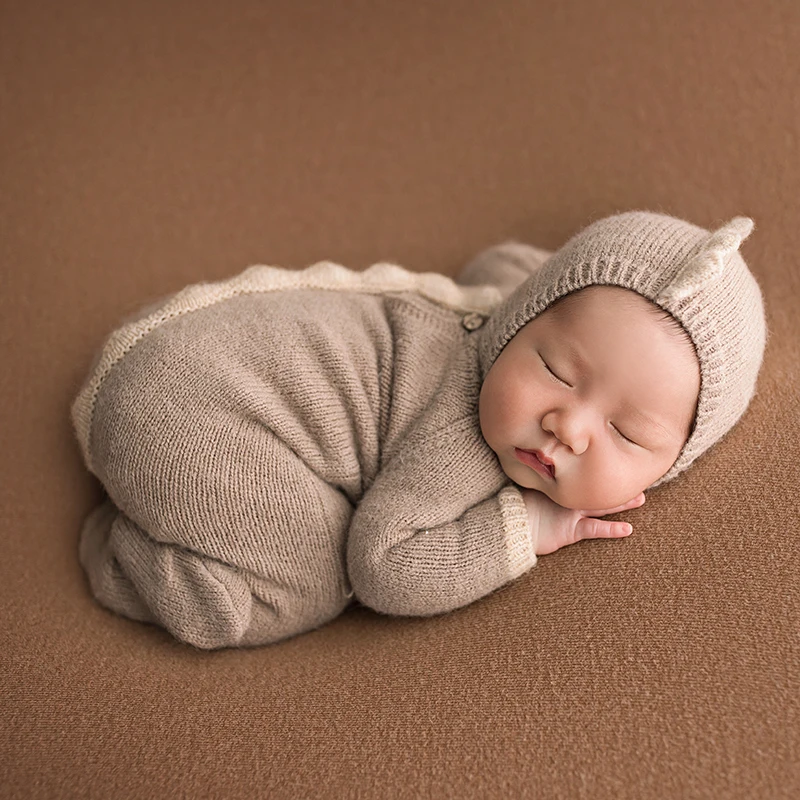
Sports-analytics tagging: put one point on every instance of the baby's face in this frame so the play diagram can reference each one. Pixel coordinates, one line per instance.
(601, 388)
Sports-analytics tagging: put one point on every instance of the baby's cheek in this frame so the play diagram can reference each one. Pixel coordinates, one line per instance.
(596, 483)
(527, 399)
(509, 405)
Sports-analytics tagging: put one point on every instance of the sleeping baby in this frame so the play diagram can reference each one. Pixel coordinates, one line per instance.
(280, 445)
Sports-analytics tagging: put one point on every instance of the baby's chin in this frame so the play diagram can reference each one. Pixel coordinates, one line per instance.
(576, 501)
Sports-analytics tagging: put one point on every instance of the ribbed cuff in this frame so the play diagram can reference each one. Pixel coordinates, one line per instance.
(521, 553)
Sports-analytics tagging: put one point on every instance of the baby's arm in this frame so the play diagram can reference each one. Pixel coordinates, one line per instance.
(415, 549)
(419, 544)
(505, 265)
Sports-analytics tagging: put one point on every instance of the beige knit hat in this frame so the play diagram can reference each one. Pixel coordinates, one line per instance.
(696, 275)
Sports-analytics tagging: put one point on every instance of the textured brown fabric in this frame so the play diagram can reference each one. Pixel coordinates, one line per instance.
(148, 146)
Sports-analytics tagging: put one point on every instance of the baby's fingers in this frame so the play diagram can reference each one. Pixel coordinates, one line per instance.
(589, 528)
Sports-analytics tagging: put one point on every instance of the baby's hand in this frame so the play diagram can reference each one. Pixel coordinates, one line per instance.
(554, 526)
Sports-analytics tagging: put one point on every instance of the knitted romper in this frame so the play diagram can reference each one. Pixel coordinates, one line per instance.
(276, 445)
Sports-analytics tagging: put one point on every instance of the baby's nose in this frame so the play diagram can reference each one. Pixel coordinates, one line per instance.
(570, 428)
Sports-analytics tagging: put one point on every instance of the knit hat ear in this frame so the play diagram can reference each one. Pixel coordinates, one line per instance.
(708, 263)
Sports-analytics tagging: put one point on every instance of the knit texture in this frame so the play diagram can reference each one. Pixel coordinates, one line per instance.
(696, 275)
(275, 445)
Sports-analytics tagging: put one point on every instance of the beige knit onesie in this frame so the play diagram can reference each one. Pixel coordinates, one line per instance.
(270, 454)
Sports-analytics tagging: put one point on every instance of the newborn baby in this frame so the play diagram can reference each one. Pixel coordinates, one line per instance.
(283, 443)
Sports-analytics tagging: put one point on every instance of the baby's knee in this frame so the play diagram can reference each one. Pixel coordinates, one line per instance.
(217, 606)
(231, 608)
(107, 581)
(201, 601)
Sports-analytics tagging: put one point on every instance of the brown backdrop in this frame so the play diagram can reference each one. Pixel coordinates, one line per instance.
(148, 145)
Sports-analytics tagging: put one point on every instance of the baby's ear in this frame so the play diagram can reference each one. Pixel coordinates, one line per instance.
(708, 263)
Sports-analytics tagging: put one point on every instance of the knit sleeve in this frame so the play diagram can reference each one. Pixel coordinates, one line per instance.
(421, 544)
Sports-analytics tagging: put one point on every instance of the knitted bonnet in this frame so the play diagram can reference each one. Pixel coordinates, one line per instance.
(697, 275)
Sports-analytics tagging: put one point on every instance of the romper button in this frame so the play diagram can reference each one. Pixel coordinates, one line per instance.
(472, 322)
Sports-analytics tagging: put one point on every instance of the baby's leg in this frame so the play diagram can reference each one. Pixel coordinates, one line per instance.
(198, 599)
(216, 527)
(246, 555)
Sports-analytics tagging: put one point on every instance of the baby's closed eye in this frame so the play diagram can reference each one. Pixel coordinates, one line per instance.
(550, 370)
(560, 380)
